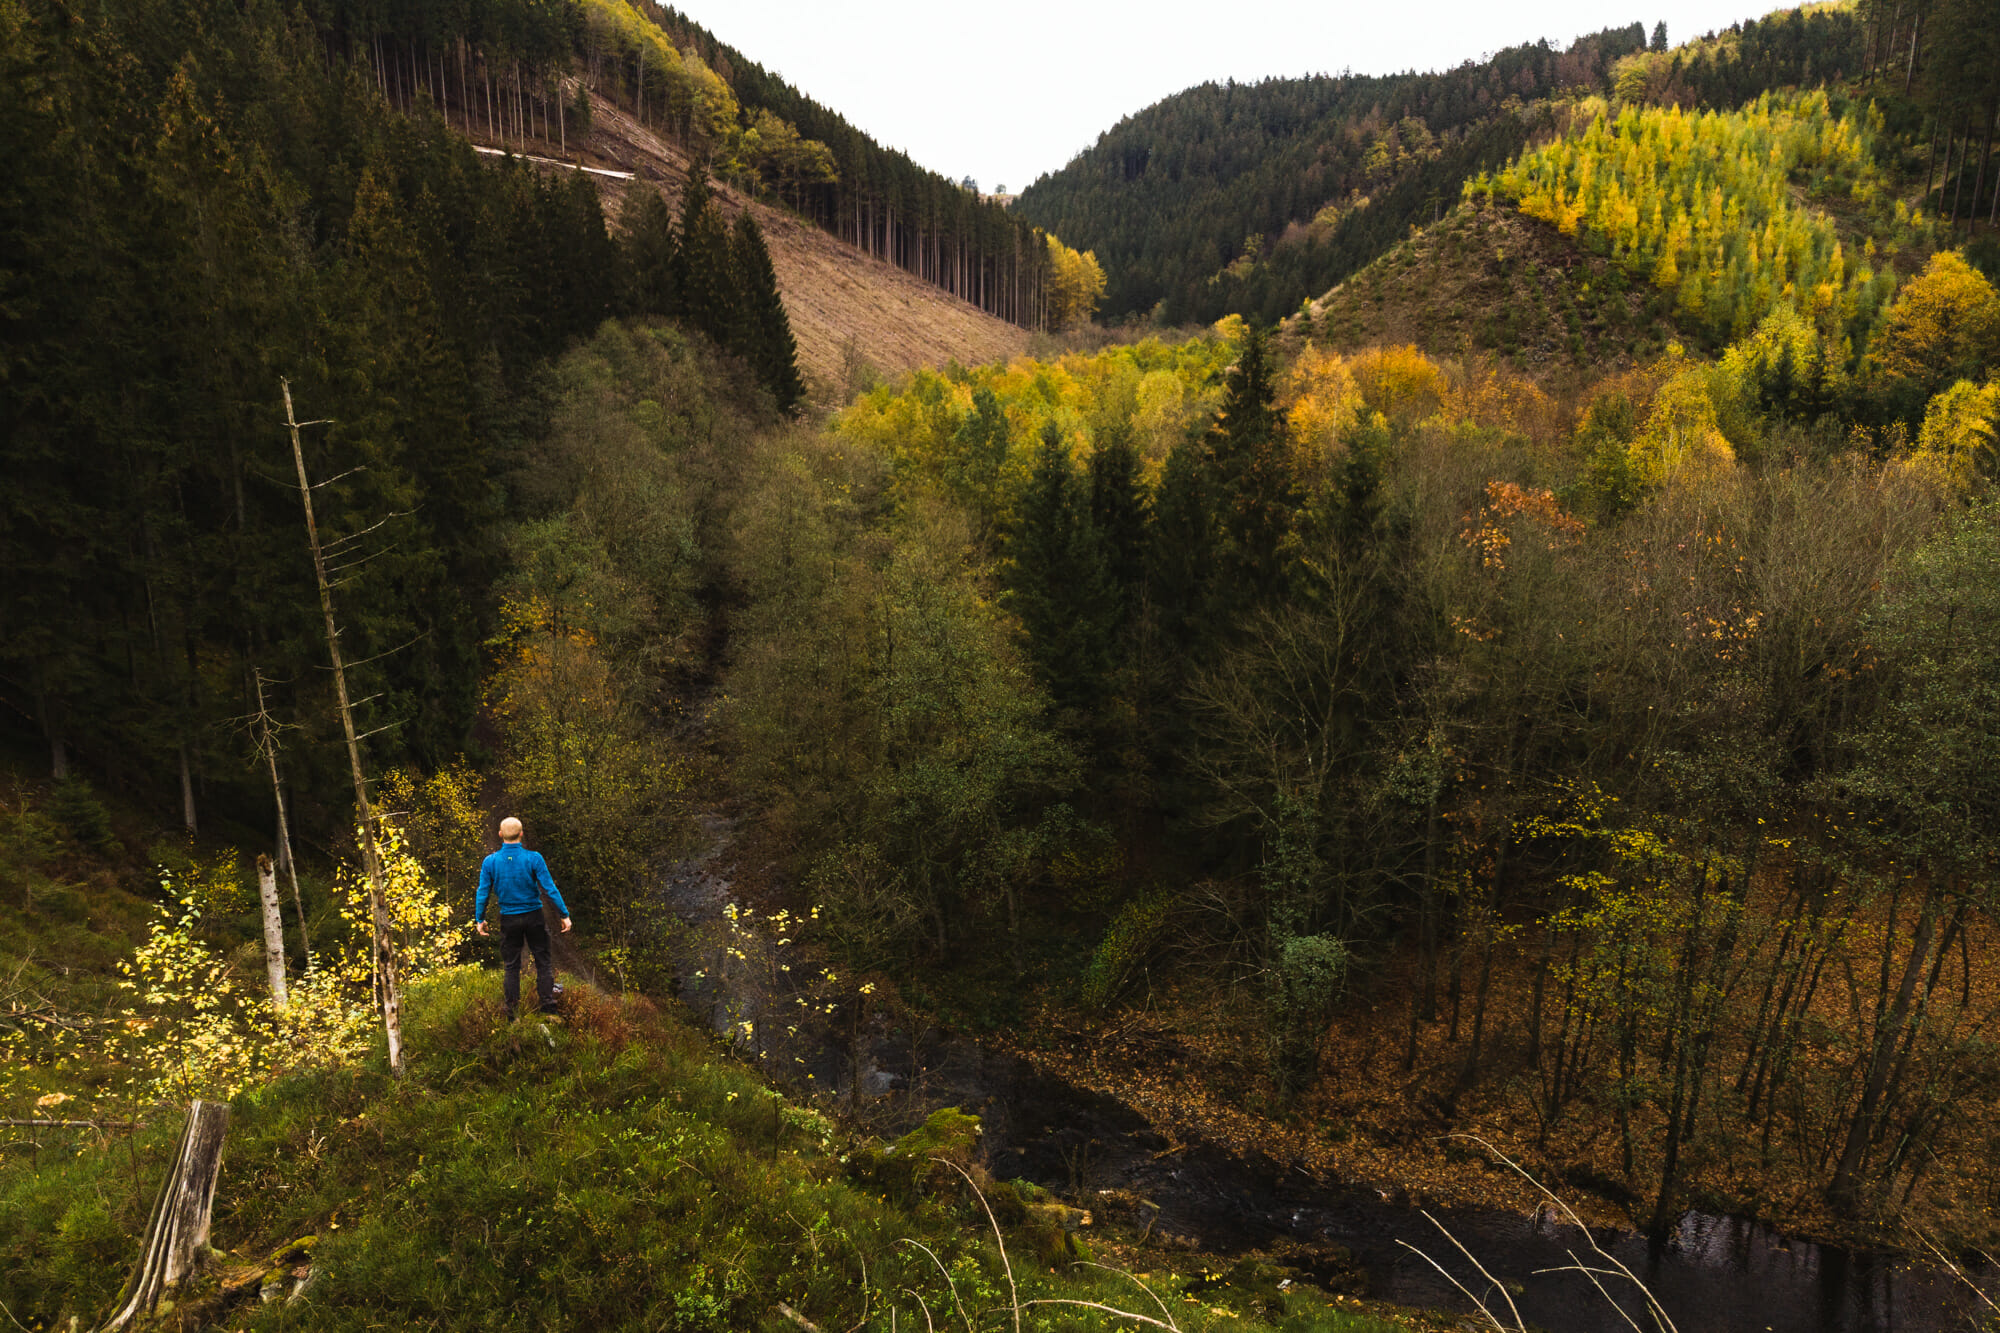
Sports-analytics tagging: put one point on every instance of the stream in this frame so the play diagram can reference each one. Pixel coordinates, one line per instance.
(1713, 1274)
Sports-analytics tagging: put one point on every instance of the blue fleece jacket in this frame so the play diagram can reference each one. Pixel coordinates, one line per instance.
(515, 872)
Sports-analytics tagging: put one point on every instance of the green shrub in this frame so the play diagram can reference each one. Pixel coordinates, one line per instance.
(1128, 944)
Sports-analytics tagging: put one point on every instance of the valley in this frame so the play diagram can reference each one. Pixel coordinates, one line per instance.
(1375, 695)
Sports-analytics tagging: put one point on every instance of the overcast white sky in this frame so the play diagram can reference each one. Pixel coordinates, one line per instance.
(1005, 92)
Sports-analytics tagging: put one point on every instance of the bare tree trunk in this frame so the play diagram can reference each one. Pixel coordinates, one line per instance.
(388, 981)
(1930, 166)
(187, 792)
(1979, 183)
(178, 1231)
(291, 863)
(267, 741)
(1888, 1037)
(1958, 184)
(274, 930)
(1916, 34)
(52, 732)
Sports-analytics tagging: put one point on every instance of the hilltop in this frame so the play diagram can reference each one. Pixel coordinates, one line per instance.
(1487, 281)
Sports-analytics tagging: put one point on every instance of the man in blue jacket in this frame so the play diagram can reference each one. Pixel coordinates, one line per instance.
(518, 876)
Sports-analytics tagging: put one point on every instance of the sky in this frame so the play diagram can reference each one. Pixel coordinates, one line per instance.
(1007, 92)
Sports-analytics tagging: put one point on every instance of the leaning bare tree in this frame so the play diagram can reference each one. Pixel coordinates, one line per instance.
(388, 981)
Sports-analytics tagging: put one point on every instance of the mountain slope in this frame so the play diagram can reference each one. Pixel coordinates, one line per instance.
(1172, 194)
(845, 306)
(1248, 198)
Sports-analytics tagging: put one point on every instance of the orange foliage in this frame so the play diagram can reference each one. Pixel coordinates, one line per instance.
(1487, 532)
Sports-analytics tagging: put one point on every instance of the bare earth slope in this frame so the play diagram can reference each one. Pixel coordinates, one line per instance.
(843, 304)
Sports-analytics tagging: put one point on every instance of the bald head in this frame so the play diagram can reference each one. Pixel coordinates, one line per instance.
(510, 829)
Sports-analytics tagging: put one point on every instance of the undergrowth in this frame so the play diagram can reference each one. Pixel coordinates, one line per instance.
(609, 1170)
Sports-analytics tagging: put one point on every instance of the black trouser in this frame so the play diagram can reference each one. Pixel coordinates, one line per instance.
(514, 930)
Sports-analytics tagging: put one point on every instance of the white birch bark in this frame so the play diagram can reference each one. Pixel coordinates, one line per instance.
(274, 930)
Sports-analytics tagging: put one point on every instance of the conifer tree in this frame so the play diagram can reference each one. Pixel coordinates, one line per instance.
(1250, 483)
(652, 256)
(765, 328)
(1182, 554)
(1118, 509)
(971, 472)
(702, 270)
(1057, 581)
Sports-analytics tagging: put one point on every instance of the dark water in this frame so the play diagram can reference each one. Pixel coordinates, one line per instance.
(1713, 1275)
(1716, 1273)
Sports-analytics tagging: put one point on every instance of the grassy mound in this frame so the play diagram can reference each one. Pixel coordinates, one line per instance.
(607, 1170)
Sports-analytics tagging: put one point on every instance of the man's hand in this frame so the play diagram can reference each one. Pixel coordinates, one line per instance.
(565, 925)
(479, 926)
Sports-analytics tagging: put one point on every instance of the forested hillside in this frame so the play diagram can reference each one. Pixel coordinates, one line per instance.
(1250, 198)
(1487, 281)
(881, 201)
(510, 72)
(202, 200)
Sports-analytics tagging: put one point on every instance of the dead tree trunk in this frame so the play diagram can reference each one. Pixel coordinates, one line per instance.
(178, 1231)
(274, 930)
(187, 792)
(267, 742)
(388, 978)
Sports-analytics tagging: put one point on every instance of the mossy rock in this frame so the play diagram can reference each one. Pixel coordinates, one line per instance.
(1051, 1231)
(948, 1133)
(920, 1163)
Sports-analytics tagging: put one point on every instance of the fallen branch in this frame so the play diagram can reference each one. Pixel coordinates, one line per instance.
(76, 1124)
(788, 1312)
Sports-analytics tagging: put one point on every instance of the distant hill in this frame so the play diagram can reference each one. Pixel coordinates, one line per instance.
(1247, 198)
(1487, 282)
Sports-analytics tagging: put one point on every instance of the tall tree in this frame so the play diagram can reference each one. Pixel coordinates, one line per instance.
(766, 329)
(1057, 581)
(703, 273)
(652, 255)
(1251, 484)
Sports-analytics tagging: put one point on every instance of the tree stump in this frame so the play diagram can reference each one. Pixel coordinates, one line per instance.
(178, 1230)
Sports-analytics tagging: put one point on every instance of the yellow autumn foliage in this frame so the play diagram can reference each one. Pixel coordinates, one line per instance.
(1075, 285)
(1944, 325)
(1956, 443)
(1320, 399)
(1705, 204)
(1683, 429)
